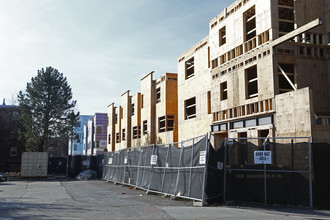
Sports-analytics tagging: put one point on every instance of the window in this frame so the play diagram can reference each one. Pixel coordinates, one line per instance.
(78, 124)
(136, 132)
(243, 136)
(262, 134)
(190, 108)
(283, 84)
(132, 109)
(223, 91)
(15, 115)
(190, 70)
(250, 23)
(98, 129)
(222, 36)
(123, 134)
(117, 138)
(286, 16)
(158, 95)
(13, 151)
(109, 139)
(145, 127)
(116, 118)
(162, 124)
(251, 79)
(170, 123)
(166, 123)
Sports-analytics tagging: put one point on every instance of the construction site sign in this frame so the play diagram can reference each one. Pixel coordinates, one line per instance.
(262, 157)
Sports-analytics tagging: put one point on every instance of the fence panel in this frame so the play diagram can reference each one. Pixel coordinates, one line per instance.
(274, 173)
(170, 169)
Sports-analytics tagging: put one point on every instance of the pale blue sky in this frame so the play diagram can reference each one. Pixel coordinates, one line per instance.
(103, 47)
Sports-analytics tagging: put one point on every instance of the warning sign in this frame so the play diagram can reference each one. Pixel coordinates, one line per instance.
(153, 159)
(262, 157)
(110, 160)
(202, 157)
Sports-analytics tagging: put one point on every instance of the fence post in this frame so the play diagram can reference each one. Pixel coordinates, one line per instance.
(166, 160)
(265, 176)
(152, 167)
(225, 172)
(205, 170)
(310, 173)
(191, 164)
(124, 166)
(178, 176)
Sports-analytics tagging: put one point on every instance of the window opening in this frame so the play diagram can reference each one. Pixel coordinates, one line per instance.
(190, 108)
(158, 95)
(170, 123)
(250, 23)
(99, 129)
(242, 135)
(136, 132)
(190, 70)
(283, 83)
(133, 109)
(117, 137)
(123, 134)
(161, 124)
(222, 36)
(262, 134)
(251, 76)
(145, 127)
(286, 16)
(223, 91)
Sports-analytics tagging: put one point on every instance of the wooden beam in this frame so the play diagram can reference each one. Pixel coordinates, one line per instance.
(296, 32)
(287, 78)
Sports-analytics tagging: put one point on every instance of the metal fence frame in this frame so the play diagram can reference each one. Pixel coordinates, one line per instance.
(141, 167)
(309, 171)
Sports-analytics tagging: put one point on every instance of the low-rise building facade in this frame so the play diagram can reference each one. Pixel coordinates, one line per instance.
(266, 65)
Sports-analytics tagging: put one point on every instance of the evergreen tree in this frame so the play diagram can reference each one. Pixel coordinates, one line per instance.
(46, 110)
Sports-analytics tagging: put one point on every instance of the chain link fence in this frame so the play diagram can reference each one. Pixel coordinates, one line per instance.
(275, 172)
(176, 169)
(213, 170)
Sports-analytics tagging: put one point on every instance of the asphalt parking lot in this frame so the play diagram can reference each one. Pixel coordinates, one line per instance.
(70, 199)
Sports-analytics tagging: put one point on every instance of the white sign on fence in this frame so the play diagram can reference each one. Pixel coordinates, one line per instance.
(110, 160)
(202, 157)
(262, 157)
(220, 165)
(125, 160)
(153, 159)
